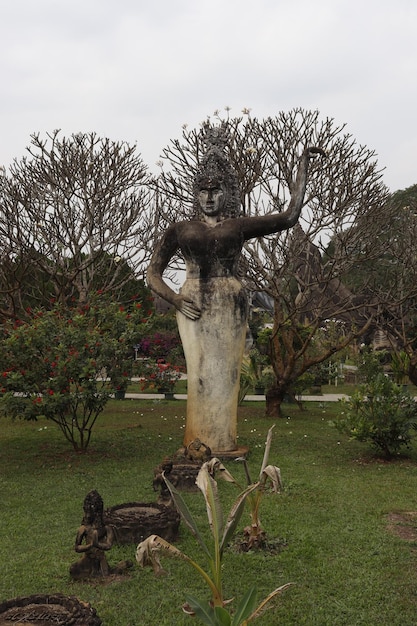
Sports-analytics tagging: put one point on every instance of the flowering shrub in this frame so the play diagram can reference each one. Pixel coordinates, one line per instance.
(160, 375)
(64, 364)
(158, 345)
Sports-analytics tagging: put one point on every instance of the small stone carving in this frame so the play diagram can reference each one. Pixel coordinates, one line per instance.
(132, 522)
(181, 470)
(48, 609)
(197, 451)
(94, 539)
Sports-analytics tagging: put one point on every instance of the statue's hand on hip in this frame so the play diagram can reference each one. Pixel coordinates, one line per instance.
(189, 309)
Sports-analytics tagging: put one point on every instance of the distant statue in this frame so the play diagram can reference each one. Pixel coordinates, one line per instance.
(212, 305)
(197, 451)
(93, 540)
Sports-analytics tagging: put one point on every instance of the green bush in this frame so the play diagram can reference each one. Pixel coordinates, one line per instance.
(65, 364)
(380, 412)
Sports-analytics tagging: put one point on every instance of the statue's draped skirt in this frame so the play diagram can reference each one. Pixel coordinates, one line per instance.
(213, 347)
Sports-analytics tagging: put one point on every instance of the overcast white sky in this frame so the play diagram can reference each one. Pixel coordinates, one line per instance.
(137, 70)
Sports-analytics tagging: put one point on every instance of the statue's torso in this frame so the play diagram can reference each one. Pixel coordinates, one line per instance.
(210, 251)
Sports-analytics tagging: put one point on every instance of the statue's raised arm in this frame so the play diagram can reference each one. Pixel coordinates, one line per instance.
(259, 226)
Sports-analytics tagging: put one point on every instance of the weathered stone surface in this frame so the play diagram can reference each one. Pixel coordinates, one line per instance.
(213, 347)
(44, 610)
(94, 539)
(212, 306)
(133, 522)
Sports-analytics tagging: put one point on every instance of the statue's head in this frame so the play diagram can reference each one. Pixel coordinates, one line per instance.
(216, 190)
(93, 507)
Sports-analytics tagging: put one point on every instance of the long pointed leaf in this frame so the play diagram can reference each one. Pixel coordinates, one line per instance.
(202, 610)
(147, 553)
(186, 516)
(267, 449)
(265, 601)
(208, 487)
(217, 616)
(274, 474)
(216, 468)
(222, 616)
(234, 516)
(245, 607)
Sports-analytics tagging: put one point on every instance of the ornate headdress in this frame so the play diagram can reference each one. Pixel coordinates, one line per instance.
(216, 169)
(94, 499)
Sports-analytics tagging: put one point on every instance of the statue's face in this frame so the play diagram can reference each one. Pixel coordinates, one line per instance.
(212, 199)
(90, 511)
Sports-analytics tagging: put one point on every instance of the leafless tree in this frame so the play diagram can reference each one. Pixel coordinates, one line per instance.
(75, 211)
(394, 282)
(300, 272)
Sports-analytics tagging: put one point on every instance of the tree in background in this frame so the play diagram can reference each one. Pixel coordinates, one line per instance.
(75, 214)
(393, 283)
(294, 269)
(64, 364)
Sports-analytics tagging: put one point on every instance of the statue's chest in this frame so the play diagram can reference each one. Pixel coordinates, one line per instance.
(199, 241)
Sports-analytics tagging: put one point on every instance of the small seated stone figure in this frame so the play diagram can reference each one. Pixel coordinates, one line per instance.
(197, 451)
(93, 540)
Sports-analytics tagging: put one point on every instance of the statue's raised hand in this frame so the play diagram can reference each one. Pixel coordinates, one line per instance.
(313, 151)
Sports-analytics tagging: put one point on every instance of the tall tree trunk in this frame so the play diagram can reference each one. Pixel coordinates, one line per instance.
(274, 399)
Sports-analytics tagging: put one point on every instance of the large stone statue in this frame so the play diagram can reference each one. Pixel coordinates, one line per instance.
(212, 305)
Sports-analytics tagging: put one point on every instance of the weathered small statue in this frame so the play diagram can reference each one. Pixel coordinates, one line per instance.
(93, 540)
(197, 451)
(212, 306)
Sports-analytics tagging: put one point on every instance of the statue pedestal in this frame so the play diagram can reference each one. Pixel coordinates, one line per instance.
(231, 454)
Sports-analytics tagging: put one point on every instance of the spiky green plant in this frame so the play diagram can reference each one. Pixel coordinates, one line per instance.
(269, 477)
(149, 550)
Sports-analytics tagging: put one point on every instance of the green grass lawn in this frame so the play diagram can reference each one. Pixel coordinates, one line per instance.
(346, 566)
